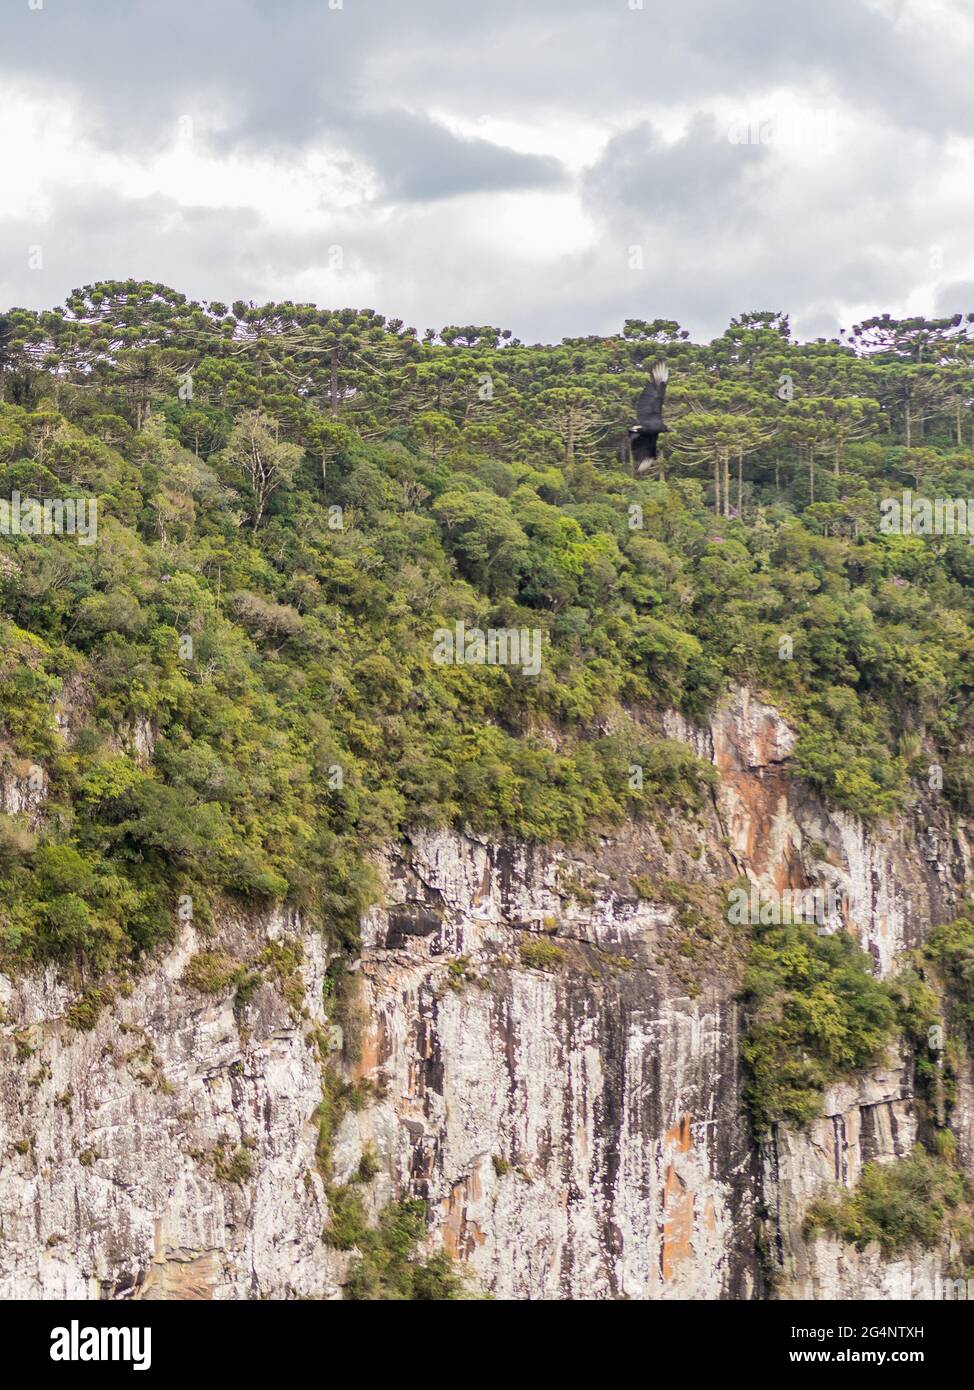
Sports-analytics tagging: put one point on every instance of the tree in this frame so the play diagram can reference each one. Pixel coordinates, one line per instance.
(913, 339)
(844, 421)
(804, 424)
(660, 331)
(572, 412)
(955, 382)
(487, 540)
(707, 435)
(256, 457)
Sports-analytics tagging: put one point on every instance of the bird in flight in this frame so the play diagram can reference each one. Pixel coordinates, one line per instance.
(649, 415)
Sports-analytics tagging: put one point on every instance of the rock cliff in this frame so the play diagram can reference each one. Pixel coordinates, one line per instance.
(553, 1044)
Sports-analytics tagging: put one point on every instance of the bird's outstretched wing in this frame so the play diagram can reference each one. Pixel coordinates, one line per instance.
(649, 405)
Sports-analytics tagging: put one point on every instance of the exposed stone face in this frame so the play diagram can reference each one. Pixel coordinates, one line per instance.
(577, 1131)
(894, 883)
(23, 787)
(573, 1117)
(871, 1121)
(110, 1139)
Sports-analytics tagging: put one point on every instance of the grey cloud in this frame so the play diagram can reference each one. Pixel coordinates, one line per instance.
(98, 237)
(277, 76)
(421, 161)
(700, 177)
(779, 239)
(726, 227)
(280, 65)
(955, 298)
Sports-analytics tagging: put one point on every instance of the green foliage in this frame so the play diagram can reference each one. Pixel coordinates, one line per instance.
(348, 1224)
(951, 947)
(904, 1205)
(540, 954)
(368, 1166)
(233, 1166)
(83, 1013)
(274, 556)
(211, 972)
(389, 1268)
(813, 1013)
(338, 1098)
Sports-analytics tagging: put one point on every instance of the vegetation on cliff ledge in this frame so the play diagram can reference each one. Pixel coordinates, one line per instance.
(389, 1267)
(911, 1202)
(905, 1204)
(814, 1013)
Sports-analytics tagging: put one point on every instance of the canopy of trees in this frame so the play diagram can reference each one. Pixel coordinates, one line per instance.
(292, 500)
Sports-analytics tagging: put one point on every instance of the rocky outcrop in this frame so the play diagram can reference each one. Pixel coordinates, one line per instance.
(577, 1128)
(892, 884)
(168, 1151)
(872, 1121)
(23, 787)
(552, 1038)
(580, 1133)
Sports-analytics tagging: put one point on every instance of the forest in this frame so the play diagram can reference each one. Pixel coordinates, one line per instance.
(292, 501)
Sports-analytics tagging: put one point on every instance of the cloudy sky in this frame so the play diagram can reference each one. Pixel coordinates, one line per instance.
(549, 166)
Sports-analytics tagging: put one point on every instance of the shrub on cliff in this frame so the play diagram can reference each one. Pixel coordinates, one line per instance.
(951, 946)
(389, 1268)
(814, 1013)
(904, 1204)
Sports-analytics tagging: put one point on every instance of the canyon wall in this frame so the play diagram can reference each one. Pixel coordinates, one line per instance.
(553, 1042)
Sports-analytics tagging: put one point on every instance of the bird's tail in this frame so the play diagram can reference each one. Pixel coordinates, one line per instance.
(661, 373)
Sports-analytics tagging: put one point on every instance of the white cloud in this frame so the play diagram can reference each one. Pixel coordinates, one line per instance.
(496, 164)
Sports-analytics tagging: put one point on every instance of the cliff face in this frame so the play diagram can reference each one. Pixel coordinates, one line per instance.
(114, 1140)
(556, 1064)
(578, 1131)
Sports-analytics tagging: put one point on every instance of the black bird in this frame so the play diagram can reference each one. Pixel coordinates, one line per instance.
(649, 414)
